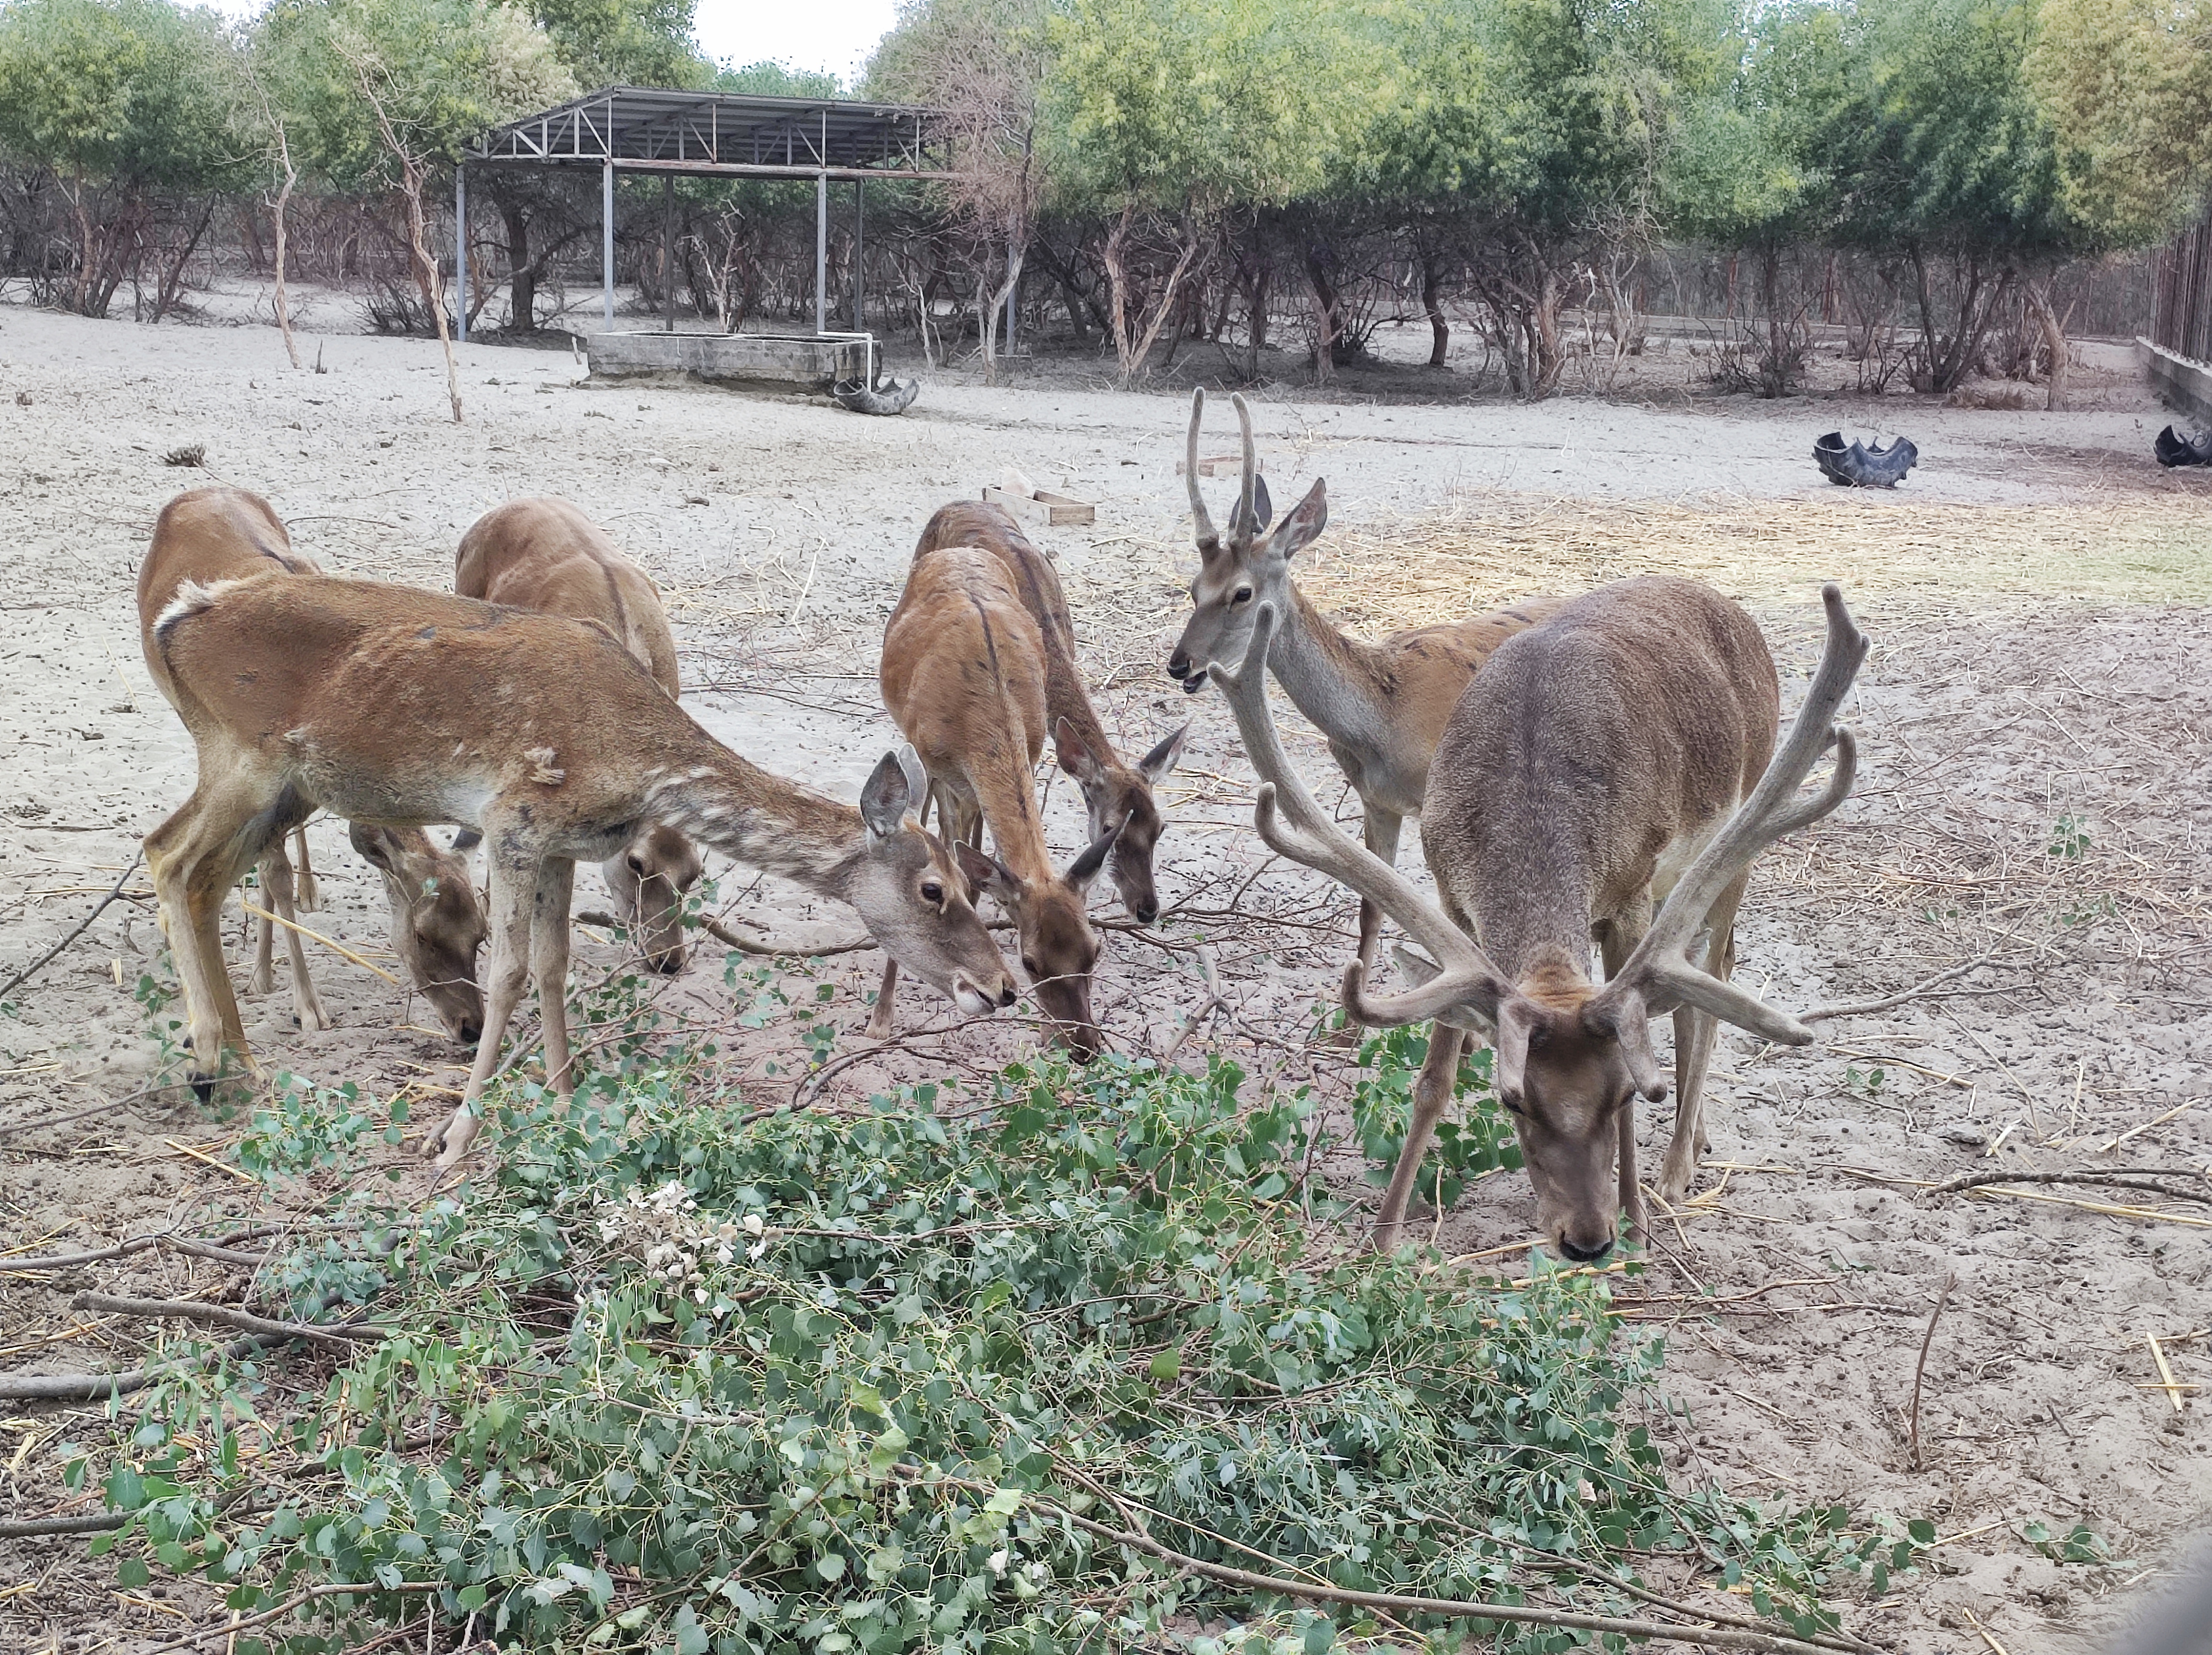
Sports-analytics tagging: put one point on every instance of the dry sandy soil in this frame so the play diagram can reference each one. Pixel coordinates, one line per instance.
(2034, 723)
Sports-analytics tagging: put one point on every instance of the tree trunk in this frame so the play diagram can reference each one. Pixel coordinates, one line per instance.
(1117, 286)
(1255, 327)
(1547, 348)
(1164, 306)
(1432, 302)
(2054, 342)
(1329, 327)
(171, 282)
(278, 209)
(425, 278)
(521, 274)
(84, 245)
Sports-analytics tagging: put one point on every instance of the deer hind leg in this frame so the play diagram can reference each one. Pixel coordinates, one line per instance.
(264, 934)
(1380, 829)
(879, 1019)
(513, 888)
(1432, 1095)
(306, 895)
(549, 965)
(1695, 1034)
(197, 855)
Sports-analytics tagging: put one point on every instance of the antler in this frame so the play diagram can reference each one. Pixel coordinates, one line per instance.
(1245, 523)
(1466, 978)
(1659, 973)
(1208, 540)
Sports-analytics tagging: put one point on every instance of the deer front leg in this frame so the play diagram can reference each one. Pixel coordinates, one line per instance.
(1694, 1035)
(514, 887)
(879, 1019)
(549, 965)
(1432, 1095)
(277, 890)
(306, 895)
(1380, 828)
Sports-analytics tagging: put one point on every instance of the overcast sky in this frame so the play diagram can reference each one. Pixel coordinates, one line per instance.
(837, 35)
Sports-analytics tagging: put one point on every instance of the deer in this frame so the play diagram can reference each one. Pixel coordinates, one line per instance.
(964, 674)
(1622, 754)
(209, 536)
(545, 554)
(1118, 795)
(404, 708)
(1380, 707)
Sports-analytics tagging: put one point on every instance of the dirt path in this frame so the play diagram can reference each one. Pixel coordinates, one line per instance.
(2035, 726)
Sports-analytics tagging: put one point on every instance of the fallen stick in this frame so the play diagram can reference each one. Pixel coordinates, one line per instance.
(84, 925)
(1920, 1368)
(192, 1310)
(231, 1628)
(2110, 1209)
(124, 1249)
(99, 1387)
(2125, 1177)
(27, 1528)
(339, 948)
(1866, 1008)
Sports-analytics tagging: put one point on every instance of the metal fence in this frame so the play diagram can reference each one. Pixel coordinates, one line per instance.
(2181, 295)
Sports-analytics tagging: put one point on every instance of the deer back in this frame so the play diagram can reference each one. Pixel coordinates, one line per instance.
(1592, 754)
(206, 536)
(545, 554)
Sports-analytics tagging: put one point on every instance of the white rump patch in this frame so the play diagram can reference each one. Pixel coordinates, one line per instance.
(191, 598)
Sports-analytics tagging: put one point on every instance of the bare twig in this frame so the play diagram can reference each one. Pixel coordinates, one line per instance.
(26, 1528)
(124, 1249)
(2126, 1178)
(1866, 1008)
(1920, 1368)
(192, 1310)
(231, 1628)
(84, 925)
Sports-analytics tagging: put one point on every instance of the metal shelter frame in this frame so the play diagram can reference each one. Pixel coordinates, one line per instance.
(643, 130)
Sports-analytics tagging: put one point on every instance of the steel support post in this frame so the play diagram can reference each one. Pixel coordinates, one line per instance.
(821, 253)
(607, 242)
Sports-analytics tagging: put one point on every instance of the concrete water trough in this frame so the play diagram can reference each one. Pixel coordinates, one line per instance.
(755, 361)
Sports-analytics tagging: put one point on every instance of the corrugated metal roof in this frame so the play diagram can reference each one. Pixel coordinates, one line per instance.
(717, 131)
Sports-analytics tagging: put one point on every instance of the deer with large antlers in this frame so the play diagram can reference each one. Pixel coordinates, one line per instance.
(388, 704)
(545, 554)
(213, 534)
(1118, 796)
(1382, 707)
(1622, 754)
(964, 673)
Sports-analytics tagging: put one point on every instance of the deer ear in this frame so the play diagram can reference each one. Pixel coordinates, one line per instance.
(1084, 868)
(1624, 1020)
(1263, 509)
(374, 845)
(1161, 760)
(985, 873)
(1518, 1021)
(888, 796)
(1078, 760)
(1303, 525)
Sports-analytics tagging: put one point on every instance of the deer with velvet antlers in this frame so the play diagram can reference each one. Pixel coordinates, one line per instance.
(1382, 707)
(1622, 754)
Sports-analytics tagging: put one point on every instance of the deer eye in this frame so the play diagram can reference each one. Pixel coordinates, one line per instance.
(636, 864)
(1031, 967)
(1512, 1102)
(1242, 595)
(932, 891)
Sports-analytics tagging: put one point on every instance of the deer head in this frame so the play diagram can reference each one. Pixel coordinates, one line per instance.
(1239, 575)
(650, 879)
(1571, 1056)
(437, 922)
(1120, 800)
(1060, 951)
(915, 897)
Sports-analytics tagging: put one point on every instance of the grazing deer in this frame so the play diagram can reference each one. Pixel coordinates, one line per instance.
(1617, 754)
(388, 704)
(1118, 796)
(214, 535)
(964, 674)
(545, 554)
(1382, 707)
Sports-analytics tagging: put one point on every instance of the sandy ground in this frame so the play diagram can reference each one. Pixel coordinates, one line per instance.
(2031, 799)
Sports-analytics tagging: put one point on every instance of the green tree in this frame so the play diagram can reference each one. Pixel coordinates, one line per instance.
(133, 93)
(625, 42)
(380, 94)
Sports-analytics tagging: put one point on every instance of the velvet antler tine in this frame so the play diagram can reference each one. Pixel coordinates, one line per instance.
(1202, 523)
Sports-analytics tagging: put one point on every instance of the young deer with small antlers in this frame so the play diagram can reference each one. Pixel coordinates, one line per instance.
(545, 554)
(963, 673)
(543, 733)
(1618, 753)
(212, 534)
(1383, 707)
(1118, 796)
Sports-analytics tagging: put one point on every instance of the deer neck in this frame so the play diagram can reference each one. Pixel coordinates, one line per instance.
(761, 820)
(1331, 677)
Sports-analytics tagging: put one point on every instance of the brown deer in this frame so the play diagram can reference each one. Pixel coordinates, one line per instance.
(545, 554)
(1118, 796)
(213, 534)
(964, 673)
(404, 707)
(1382, 707)
(1618, 754)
